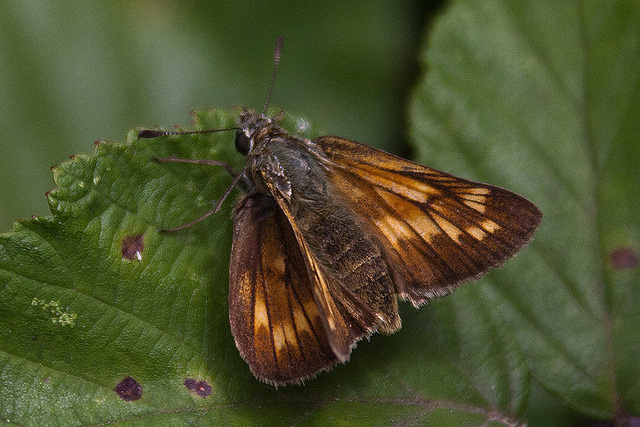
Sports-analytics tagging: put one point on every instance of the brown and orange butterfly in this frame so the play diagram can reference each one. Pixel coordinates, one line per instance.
(330, 233)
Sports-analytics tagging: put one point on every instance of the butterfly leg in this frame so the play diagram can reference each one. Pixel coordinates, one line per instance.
(226, 166)
(236, 177)
(210, 212)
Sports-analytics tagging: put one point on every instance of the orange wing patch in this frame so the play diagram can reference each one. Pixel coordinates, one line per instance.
(289, 318)
(274, 317)
(436, 230)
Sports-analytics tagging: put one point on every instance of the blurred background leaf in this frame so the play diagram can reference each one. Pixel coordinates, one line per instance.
(543, 97)
(78, 71)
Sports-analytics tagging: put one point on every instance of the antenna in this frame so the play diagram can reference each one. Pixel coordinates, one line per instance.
(276, 60)
(150, 133)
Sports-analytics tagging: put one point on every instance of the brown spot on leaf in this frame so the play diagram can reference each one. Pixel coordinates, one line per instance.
(132, 247)
(201, 388)
(624, 257)
(129, 389)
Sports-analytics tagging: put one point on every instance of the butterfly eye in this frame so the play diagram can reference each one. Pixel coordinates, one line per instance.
(243, 143)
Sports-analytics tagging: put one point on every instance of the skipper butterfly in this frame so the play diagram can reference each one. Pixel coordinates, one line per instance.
(330, 233)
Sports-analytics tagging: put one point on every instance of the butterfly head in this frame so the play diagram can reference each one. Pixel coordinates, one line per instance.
(253, 128)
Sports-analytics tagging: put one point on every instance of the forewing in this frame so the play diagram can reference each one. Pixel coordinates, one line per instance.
(437, 230)
(273, 314)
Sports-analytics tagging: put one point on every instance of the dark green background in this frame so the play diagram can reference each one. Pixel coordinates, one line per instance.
(78, 71)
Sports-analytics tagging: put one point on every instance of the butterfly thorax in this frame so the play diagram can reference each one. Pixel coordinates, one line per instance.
(283, 162)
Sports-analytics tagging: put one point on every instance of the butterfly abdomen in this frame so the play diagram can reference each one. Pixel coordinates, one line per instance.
(354, 260)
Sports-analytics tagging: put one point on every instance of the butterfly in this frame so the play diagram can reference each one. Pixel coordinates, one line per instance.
(329, 234)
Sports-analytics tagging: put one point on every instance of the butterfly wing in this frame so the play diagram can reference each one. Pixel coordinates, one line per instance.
(273, 314)
(290, 319)
(345, 316)
(436, 230)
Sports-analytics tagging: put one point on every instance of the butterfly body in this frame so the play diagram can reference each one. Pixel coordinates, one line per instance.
(330, 233)
(336, 249)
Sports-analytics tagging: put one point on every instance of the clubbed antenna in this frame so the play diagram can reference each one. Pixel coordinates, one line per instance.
(276, 60)
(150, 133)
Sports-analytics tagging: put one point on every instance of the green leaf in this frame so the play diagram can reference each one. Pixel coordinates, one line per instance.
(95, 295)
(516, 94)
(543, 97)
